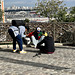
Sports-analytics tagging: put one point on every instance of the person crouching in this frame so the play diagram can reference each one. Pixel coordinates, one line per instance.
(48, 48)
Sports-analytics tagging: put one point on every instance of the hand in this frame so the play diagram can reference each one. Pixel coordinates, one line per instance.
(26, 34)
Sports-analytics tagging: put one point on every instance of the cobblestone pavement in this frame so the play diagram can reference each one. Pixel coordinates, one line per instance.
(62, 62)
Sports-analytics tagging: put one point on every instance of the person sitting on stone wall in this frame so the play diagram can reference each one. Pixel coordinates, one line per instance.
(35, 36)
(48, 48)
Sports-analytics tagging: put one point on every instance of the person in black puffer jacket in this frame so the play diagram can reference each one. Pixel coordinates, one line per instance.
(48, 48)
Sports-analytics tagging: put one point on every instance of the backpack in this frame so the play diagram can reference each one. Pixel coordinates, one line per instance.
(18, 23)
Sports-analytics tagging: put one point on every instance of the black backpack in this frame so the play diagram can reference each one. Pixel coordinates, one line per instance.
(18, 23)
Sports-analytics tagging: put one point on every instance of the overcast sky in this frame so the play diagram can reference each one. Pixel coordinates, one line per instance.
(31, 3)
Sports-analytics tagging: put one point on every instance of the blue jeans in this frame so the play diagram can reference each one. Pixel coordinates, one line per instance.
(17, 38)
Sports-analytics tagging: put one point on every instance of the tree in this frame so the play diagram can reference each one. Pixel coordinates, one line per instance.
(1, 15)
(61, 14)
(72, 10)
(51, 8)
(71, 16)
(26, 20)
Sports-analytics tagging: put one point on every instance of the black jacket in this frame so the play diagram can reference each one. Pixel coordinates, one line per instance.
(49, 44)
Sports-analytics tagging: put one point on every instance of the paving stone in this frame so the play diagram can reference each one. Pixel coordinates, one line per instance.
(61, 62)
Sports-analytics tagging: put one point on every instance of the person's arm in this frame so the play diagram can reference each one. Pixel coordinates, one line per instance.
(30, 34)
(23, 34)
(22, 31)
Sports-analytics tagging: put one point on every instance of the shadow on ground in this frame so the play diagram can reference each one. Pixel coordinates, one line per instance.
(10, 50)
(5, 50)
(34, 51)
(73, 48)
(29, 63)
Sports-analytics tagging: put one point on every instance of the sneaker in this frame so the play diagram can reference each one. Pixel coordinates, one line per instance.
(14, 50)
(23, 52)
(35, 46)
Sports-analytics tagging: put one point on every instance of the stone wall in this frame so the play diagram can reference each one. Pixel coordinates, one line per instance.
(61, 32)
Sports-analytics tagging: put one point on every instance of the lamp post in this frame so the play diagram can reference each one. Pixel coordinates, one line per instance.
(2, 8)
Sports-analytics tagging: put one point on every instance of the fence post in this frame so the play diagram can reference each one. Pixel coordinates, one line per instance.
(54, 32)
(74, 37)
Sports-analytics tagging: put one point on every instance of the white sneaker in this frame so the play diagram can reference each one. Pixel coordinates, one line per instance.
(23, 52)
(14, 50)
(35, 46)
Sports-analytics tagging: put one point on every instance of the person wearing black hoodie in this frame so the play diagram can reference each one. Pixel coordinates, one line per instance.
(48, 48)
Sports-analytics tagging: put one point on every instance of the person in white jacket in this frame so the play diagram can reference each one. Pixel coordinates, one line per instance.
(22, 30)
(17, 34)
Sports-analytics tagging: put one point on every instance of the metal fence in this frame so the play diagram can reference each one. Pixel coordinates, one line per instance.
(61, 32)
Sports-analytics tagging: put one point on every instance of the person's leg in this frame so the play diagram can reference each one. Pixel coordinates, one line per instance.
(14, 43)
(42, 49)
(35, 42)
(14, 39)
(24, 41)
(19, 41)
(42, 37)
(28, 40)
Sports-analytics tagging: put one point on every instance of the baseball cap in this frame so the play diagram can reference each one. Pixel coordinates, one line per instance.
(38, 29)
